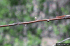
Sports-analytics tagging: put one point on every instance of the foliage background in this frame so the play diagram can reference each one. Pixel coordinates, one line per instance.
(35, 34)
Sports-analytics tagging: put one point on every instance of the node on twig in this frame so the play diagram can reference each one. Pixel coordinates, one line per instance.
(48, 20)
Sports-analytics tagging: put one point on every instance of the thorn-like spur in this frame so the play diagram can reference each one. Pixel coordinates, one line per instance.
(67, 16)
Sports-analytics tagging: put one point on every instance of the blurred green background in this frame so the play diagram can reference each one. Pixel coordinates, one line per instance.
(34, 34)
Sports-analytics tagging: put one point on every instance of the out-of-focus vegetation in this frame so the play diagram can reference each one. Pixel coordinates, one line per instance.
(12, 11)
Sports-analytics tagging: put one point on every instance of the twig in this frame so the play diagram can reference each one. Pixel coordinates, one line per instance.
(62, 41)
(57, 18)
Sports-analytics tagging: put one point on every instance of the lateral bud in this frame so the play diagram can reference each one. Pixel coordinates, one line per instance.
(48, 20)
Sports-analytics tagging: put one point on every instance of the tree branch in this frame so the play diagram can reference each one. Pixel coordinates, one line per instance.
(62, 41)
(57, 18)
